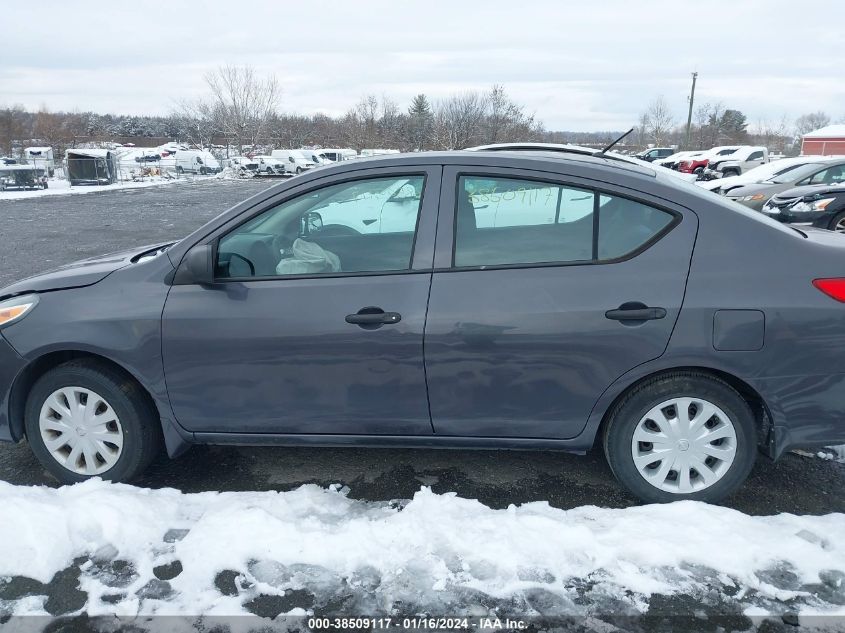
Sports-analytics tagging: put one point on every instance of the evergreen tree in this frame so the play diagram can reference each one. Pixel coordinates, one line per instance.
(420, 122)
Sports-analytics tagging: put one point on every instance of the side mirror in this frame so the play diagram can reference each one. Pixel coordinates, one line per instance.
(197, 266)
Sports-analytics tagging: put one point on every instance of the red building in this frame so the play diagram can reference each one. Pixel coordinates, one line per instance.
(824, 142)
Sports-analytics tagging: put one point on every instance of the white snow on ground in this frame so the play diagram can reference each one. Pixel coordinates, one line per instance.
(836, 453)
(423, 552)
(63, 188)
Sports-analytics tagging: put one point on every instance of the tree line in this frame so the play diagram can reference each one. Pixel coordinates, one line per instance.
(715, 124)
(242, 109)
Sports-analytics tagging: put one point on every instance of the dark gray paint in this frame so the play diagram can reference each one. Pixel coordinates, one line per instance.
(736, 264)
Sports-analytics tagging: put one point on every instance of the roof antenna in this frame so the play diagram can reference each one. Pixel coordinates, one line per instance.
(606, 149)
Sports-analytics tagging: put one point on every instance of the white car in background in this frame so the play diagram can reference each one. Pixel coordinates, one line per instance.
(759, 174)
(294, 160)
(271, 166)
(334, 155)
(243, 164)
(737, 163)
(193, 161)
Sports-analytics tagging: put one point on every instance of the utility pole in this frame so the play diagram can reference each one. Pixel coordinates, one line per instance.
(689, 116)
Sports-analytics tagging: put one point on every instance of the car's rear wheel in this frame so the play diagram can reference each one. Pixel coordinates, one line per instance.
(87, 420)
(683, 435)
(838, 223)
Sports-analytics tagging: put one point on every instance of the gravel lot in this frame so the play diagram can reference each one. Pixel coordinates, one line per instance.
(42, 233)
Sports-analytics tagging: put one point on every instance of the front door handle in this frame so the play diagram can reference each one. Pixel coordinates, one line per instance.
(635, 312)
(372, 317)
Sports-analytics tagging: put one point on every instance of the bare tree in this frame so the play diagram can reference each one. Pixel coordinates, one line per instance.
(458, 120)
(12, 127)
(811, 122)
(659, 121)
(773, 134)
(243, 103)
(196, 120)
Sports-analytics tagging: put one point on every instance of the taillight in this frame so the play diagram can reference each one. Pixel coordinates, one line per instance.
(834, 288)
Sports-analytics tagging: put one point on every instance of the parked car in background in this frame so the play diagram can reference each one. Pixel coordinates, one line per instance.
(671, 162)
(759, 174)
(270, 166)
(22, 177)
(336, 155)
(279, 322)
(212, 164)
(192, 161)
(830, 172)
(697, 164)
(736, 163)
(654, 153)
(244, 164)
(822, 206)
(294, 160)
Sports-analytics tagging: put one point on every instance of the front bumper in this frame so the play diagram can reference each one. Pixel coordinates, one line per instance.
(810, 218)
(11, 365)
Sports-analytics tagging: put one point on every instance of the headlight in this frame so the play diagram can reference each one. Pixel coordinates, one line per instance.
(815, 205)
(16, 308)
(756, 196)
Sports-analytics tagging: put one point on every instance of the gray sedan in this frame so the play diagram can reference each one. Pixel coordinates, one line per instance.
(754, 196)
(491, 300)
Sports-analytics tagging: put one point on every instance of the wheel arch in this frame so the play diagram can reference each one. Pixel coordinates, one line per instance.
(176, 443)
(755, 401)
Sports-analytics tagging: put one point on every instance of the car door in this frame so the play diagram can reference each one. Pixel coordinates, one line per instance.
(313, 325)
(545, 291)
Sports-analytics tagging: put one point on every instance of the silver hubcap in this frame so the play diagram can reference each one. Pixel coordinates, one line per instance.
(684, 445)
(840, 226)
(81, 431)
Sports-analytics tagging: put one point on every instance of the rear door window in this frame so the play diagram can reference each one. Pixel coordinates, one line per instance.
(506, 221)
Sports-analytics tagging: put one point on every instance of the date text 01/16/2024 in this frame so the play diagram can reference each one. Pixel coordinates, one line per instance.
(416, 623)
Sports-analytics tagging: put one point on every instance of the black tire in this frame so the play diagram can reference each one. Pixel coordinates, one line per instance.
(626, 415)
(179, 169)
(139, 421)
(730, 172)
(298, 170)
(839, 217)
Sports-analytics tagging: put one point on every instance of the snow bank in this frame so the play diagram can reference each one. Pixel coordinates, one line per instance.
(63, 188)
(423, 551)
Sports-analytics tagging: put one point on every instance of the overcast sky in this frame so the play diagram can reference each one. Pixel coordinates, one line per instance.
(588, 65)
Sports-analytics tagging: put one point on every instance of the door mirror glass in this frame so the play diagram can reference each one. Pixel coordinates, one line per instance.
(312, 222)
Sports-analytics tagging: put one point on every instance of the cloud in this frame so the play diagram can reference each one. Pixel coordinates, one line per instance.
(578, 66)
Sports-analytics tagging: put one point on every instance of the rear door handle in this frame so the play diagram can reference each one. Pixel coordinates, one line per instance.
(372, 317)
(636, 314)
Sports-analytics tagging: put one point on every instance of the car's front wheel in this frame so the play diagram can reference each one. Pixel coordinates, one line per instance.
(683, 435)
(84, 420)
(838, 223)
